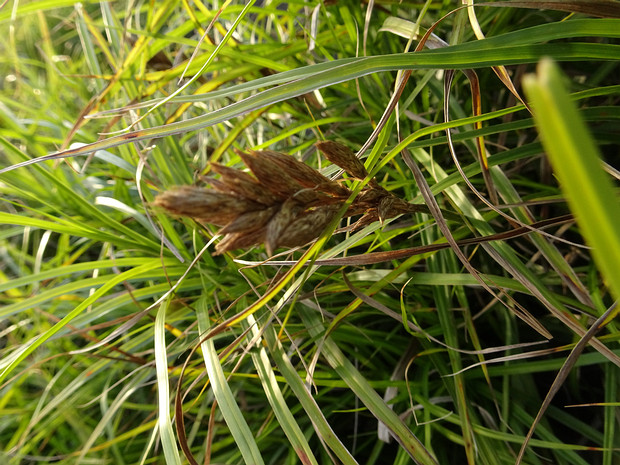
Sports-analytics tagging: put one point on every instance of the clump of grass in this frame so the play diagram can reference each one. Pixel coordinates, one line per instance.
(285, 204)
(101, 295)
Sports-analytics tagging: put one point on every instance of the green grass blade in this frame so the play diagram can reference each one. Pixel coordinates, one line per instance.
(360, 386)
(285, 418)
(164, 424)
(477, 54)
(322, 427)
(237, 425)
(82, 260)
(577, 162)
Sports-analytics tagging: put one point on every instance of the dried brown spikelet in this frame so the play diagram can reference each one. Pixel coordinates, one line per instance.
(344, 157)
(285, 204)
(303, 174)
(313, 197)
(305, 227)
(270, 175)
(205, 205)
(240, 241)
(390, 206)
(250, 221)
(289, 211)
(240, 183)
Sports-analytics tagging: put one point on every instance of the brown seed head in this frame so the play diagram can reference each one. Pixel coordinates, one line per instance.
(289, 210)
(240, 240)
(250, 221)
(391, 206)
(286, 204)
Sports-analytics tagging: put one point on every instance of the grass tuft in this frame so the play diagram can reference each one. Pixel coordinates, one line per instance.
(444, 295)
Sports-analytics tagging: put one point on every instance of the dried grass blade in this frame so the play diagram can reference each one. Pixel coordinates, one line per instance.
(372, 258)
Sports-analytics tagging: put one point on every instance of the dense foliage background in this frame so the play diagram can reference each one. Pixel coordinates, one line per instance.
(125, 340)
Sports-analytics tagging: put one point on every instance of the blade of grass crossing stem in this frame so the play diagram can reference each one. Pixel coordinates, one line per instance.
(577, 163)
(166, 432)
(362, 389)
(286, 420)
(237, 425)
